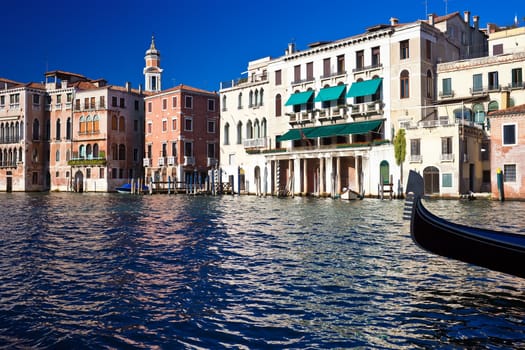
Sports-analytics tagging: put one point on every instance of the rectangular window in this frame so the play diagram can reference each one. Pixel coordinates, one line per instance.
(69, 97)
(509, 173)
(211, 126)
(113, 101)
(114, 173)
(122, 103)
(102, 101)
(188, 124)
(35, 178)
(188, 102)
(136, 105)
(174, 124)
(77, 104)
(188, 149)
(174, 149)
(446, 149)
(404, 86)
(174, 102)
(211, 150)
(326, 67)
(86, 103)
(150, 127)
(360, 59)
(92, 103)
(297, 74)
(150, 107)
(149, 152)
(341, 64)
(517, 79)
(36, 100)
(477, 83)
(164, 104)
(415, 150)
(211, 105)
(404, 52)
(135, 125)
(428, 49)
(310, 71)
(493, 81)
(164, 150)
(509, 136)
(376, 56)
(88, 173)
(446, 180)
(278, 78)
(164, 125)
(497, 49)
(100, 173)
(135, 154)
(2, 100)
(447, 87)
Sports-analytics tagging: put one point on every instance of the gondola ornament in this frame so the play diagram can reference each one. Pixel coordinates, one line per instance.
(494, 250)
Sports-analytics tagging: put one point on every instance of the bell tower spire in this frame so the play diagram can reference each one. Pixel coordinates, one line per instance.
(152, 70)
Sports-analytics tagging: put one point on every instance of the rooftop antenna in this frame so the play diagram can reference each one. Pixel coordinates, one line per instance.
(446, 6)
(426, 8)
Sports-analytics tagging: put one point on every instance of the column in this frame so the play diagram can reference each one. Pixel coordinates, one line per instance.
(338, 175)
(297, 176)
(321, 176)
(305, 176)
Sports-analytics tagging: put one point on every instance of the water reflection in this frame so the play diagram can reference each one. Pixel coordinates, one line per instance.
(244, 272)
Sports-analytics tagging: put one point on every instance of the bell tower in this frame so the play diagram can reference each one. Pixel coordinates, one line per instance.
(152, 71)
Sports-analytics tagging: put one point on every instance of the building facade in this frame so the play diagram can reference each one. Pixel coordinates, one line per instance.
(181, 136)
(323, 119)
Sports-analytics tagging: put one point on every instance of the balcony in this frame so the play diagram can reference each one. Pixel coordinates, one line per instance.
(171, 160)
(162, 161)
(446, 94)
(189, 160)
(447, 157)
(255, 143)
(416, 158)
(146, 162)
(211, 161)
(367, 108)
(87, 161)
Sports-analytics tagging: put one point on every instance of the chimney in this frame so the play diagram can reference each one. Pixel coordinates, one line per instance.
(431, 19)
(128, 86)
(291, 49)
(393, 21)
(476, 22)
(466, 17)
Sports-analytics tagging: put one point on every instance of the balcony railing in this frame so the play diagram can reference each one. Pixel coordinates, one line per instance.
(146, 162)
(447, 157)
(162, 161)
(189, 160)
(211, 161)
(171, 160)
(255, 143)
(416, 158)
(89, 161)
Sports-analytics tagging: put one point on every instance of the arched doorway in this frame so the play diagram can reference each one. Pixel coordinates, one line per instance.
(78, 184)
(384, 172)
(431, 179)
(257, 180)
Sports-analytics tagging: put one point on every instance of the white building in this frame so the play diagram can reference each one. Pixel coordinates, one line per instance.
(323, 119)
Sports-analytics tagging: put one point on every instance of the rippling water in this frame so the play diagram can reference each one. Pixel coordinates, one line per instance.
(116, 271)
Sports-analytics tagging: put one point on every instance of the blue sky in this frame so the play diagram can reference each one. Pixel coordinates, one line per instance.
(201, 42)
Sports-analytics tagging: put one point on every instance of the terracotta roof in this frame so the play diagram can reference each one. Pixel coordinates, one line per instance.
(185, 88)
(9, 81)
(63, 74)
(508, 111)
(445, 17)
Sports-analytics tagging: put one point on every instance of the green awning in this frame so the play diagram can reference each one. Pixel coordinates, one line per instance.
(364, 88)
(299, 98)
(330, 130)
(330, 93)
(295, 134)
(361, 127)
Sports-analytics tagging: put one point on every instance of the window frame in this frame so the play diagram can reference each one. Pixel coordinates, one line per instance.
(504, 135)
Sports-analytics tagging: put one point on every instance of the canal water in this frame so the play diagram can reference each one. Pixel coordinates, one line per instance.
(91, 271)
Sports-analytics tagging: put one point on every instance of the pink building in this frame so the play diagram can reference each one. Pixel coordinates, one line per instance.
(508, 151)
(182, 134)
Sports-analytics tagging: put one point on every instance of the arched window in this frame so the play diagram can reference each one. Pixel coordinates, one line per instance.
(249, 130)
(82, 125)
(114, 123)
(384, 172)
(17, 132)
(82, 151)
(479, 113)
(493, 106)
(239, 102)
(89, 154)
(2, 135)
(227, 134)
(96, 123)
(114, 151)
(68, 129)
(95, 150)
(36, 129)
(430, 84)
(250, 99)
(68, 155)
(256, 102)
(89, 124)
(122, 152)
(261, 94)
(278, 105)
(20, 153)
(58, 129)
(463, 113)
(57, 155)
(264, 131)
(224, 103)
(256, 129)
(239, 133)
(404, 88)
(122, 124)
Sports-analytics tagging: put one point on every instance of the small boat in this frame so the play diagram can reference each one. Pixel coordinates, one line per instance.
(494, 250)
(348, 194)
(126, 188)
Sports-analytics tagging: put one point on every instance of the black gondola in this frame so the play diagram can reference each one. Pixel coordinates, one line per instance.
(495, 250)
